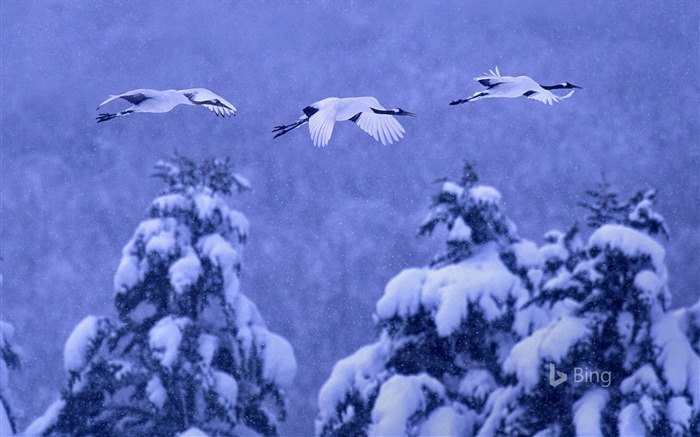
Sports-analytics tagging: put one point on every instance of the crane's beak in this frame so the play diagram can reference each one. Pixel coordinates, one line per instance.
(409, 113)
(575, 86)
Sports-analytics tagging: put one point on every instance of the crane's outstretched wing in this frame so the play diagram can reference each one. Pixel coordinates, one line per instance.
(547, 97)
(221, 110)
(492, 78)
(383, 127)
(210, 100)
(134, 97)
(321, 127)
(216, 104)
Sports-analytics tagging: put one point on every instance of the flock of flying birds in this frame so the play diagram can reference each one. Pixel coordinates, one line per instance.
(321, 116)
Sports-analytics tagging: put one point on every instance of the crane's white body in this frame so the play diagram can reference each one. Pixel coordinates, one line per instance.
(366, 112)
(155, 101)
(511, 87)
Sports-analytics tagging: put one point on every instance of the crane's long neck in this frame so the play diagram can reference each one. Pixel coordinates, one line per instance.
(396, 111)
(386, 111)
(553, 87)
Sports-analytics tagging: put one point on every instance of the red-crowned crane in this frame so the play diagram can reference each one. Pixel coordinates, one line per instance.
(147, 100)
(366, 112)
(512, 87)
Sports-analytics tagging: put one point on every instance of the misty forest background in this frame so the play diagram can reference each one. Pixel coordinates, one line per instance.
(329, 227)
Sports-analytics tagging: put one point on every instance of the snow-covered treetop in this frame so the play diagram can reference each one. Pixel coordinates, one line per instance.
(471, 213)
(181, 173)
(608, 246)
(190, 231)
(622, 230)
(445, 328)
(482, 283)
(630, 242)
(604, 206)
(641, 214)
(191, 354)
(637, 213)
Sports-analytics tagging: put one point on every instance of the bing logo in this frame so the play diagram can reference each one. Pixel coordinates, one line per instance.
(560, 376)
(557, 378)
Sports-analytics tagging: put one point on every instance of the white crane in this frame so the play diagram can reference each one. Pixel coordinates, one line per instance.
(511, 87)
(147, 100)
(366, 112)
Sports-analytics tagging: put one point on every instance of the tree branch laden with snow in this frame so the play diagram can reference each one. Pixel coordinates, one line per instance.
(190, 353)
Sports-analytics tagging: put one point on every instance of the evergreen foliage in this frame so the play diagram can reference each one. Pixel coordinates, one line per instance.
(189, 351)
(444, 330)
(637, 213)
(471, 216)
(603, 205)
(638, 372)
(471, 345)
(181, 173)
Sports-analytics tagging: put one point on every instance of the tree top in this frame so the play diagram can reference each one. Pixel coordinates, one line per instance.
(183, 174)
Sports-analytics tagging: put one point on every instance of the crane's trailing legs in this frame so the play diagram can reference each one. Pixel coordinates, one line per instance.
(284, 128)
(474, 97)
(104, 117)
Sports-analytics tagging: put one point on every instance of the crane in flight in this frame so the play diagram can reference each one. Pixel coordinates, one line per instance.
(512, 87)
(147, 100)
(365, 112)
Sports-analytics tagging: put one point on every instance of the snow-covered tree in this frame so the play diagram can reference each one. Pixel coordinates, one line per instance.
(561, 252)
(471, 220)
(632, 365)
(8, 360)
(190, 353)
(603, 205)
(637, 213)
(444, 330)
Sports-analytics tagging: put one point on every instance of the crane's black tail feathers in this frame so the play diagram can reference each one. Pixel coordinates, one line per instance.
(284, 128)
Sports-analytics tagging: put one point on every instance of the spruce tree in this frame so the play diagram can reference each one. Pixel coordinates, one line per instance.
(631, 365)
(189, 353)
(444, 329)
(637, 213)
(603, 205)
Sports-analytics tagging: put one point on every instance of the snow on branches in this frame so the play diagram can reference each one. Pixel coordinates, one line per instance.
(445, 329)
(190, 353)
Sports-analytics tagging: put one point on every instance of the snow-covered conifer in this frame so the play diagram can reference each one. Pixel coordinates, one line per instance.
(444, 330)
(561, 252)
(471, 216)
(190, 353)
(642, 216)
(603, 205)
(637, 213)
(8, 360)
(631, 364)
